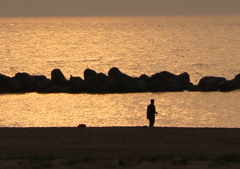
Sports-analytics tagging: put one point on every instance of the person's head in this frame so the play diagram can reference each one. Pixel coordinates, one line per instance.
(152, 101)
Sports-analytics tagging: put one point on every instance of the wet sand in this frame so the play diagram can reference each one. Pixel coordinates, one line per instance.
(121, 143)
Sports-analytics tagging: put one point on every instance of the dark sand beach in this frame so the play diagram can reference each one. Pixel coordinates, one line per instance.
(120, 147)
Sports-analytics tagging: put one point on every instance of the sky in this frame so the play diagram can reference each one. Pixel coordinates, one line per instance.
(39, 8)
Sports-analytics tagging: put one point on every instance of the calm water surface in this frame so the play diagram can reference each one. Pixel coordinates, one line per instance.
(180, 109)
(201, 46)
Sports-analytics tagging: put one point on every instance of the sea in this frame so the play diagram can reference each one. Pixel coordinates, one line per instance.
(199, 45)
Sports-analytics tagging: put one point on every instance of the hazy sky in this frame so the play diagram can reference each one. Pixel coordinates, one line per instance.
(19, 8)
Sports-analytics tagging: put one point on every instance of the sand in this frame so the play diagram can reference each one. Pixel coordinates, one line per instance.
(119, 147)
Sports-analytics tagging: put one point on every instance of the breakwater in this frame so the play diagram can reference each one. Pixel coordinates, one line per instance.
(114, 81)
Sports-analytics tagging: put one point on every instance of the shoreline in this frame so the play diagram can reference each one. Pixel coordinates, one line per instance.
(162, 139)
(83, 126)
(119, 143)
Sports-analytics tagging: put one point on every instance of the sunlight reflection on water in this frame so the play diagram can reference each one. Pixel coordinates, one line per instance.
(178, 109)
(201, 46)
(136, 45)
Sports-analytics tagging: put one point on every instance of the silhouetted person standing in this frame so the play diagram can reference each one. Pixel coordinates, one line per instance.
(151, 112)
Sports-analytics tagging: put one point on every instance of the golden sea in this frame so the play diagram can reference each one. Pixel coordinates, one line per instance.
(199, 45)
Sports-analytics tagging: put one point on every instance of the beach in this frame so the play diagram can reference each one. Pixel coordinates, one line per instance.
(123, 147)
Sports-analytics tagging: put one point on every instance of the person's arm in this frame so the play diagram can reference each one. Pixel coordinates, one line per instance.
(155, 110)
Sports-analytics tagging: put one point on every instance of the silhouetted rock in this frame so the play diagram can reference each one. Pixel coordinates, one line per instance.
(25, 80)
(43, 84)
(108, 84)
(4, 81)
(104, 79)
(9, 85)
(236, 81)
(115, 72)
(144, 78)
(194, 88)
(170, 81)
(28, 82)
(124, 85)
(162, 76)
(82, 126)
(5, 91)
(185, 76)
(227, 86)
(15, 86)
(114, 82)
(89, 73)
(77, 85)
(74, 79)
(184, 79)
(140, 85)
(55, 89)
(157, 86)
(209, 88)
(211, 81)
(92, 85)
(57, 76)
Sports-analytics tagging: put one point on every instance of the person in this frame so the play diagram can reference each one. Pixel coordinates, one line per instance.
(151, 112)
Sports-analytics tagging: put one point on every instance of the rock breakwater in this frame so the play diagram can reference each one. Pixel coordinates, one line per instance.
(113, 82)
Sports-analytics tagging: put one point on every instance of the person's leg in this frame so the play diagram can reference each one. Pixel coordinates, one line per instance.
(151, 122)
